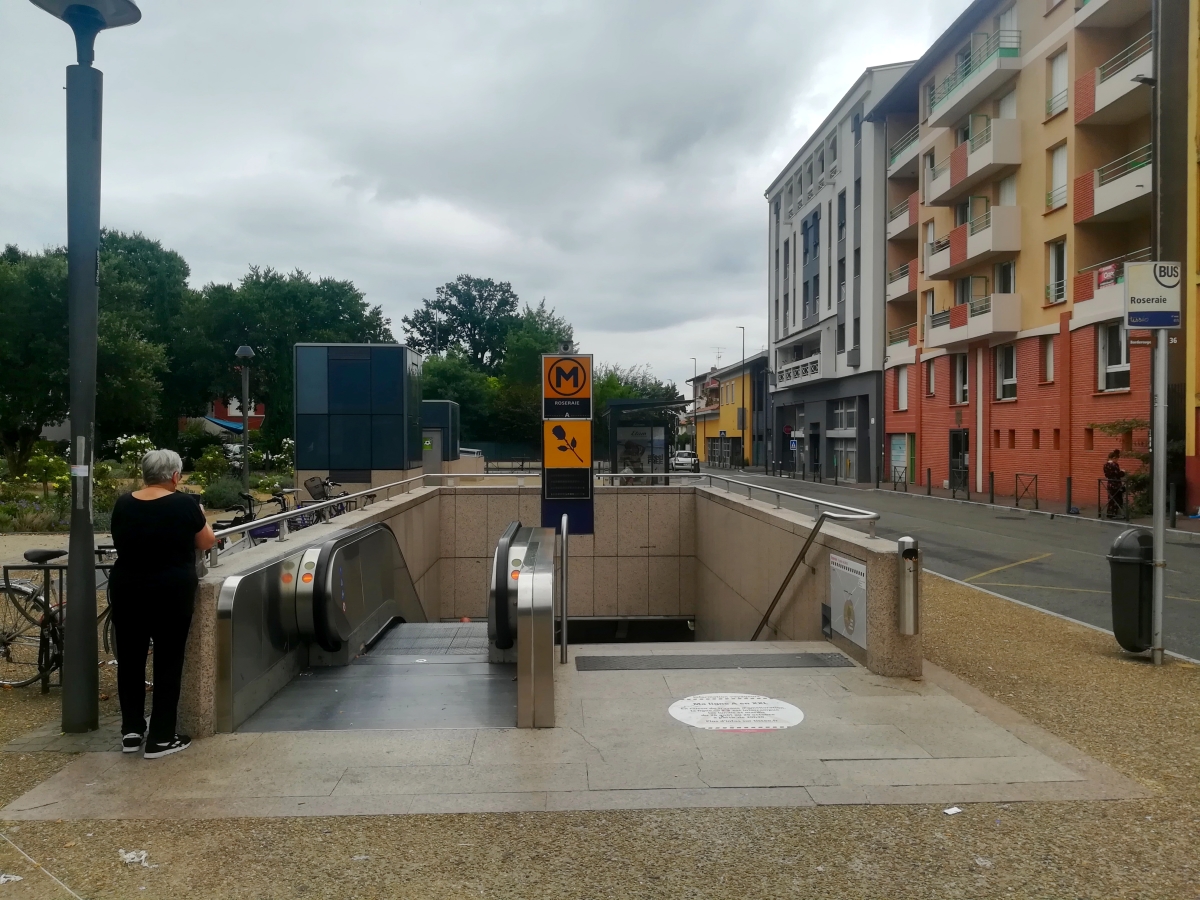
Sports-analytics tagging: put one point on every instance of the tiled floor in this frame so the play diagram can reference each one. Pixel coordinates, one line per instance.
(864, 739)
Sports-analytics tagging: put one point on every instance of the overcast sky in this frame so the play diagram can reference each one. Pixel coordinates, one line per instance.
(610, 156)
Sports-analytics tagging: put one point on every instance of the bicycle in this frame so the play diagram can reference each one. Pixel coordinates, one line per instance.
(35, 616)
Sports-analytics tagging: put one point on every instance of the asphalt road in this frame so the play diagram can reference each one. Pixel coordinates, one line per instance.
(1055, 564)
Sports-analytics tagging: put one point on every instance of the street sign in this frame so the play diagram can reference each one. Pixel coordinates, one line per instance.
(722, 434)
(567, 386)
(567, 444)
(1152, 294)
(793, 444)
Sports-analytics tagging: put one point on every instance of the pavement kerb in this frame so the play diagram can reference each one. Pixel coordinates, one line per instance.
(1171, 653)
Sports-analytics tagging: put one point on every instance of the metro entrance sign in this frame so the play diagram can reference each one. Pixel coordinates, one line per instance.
(567, 441)
(567, 387)
(1152, 295)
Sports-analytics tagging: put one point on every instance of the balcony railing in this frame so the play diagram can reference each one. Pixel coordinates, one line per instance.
(906, 140)
(938, 319)
(1056, 197)
(804, 368)
(936, 172)
(1117, 263)
(980, 305)
(900, 335)
(897, 274)
(1002, 43)
(1056, 104)
(937, 246)
(900, 209)
(982, 139)
(1130, 54)
(980, 223)
(1056, 292)
(1123, 165)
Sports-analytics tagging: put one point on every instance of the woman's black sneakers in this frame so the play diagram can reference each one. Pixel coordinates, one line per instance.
(154, 749)
(132, 742)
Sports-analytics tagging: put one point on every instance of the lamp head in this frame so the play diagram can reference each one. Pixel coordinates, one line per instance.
(88, 18)
(1147, 80)
(244, 353)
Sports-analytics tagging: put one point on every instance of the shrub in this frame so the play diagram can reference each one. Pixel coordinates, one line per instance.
(286, 457)
(131, 448)
(105, 488)
(47, 470)
(53, 514)
(211, 466)
(193, 441)
(269, 484)
(222, 493)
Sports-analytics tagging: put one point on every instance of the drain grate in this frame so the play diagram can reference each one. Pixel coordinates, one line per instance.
(713, 661)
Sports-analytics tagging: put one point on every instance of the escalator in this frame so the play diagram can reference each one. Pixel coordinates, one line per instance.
(334, 637)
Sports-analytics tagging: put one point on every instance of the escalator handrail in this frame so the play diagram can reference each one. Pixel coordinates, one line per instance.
(504, 628)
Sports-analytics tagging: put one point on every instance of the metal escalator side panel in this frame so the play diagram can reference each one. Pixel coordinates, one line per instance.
(398, 584)
(535, 632)
(501, 627)
(306, 593)
(223, 689)
(325, 595)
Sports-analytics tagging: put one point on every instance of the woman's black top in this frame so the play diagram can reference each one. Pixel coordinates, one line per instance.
(156, 539)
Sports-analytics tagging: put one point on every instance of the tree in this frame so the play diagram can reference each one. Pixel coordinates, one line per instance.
(472, 316)
(537, 331)
(128, 391)
(452, 377)
(614, 382)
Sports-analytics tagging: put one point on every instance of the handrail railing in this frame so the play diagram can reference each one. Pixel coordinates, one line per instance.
(1130, 54)
(562, 602)
(905, 141)
(900, 335)
(898, 273)
(997, 42)
(937, 245)
(938, 319)
(982, 139)
(1123, 165)
(900, 209)
(936, 172)
(1132, 256)
(980, 305)
(1056, 104)
(1056, 292)
(980, 222)
(1056, 197)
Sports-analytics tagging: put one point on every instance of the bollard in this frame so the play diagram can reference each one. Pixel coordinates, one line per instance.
(214, 556)
(1171, 502)
(992, 488)
(283, 531)
(909, 587)
(929, 482)
(1068, 495)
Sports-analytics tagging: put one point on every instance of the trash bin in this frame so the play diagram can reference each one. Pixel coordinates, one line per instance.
(1131, 566)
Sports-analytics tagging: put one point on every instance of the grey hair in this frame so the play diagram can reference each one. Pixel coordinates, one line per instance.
(159, 465)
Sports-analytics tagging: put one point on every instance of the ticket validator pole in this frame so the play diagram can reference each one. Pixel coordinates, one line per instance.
(85, 89)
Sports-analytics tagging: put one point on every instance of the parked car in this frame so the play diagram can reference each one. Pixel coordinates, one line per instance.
(686, 461)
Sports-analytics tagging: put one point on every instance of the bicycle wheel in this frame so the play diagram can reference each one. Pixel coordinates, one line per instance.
(26, 597)
(26, 653)
(109, 632)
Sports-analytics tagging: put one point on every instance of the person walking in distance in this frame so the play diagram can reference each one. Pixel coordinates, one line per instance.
(157, 532)
(1115, 476)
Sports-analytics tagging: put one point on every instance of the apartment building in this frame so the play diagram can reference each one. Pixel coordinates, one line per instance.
(826, 258)
(1018, 185)
(729, 408)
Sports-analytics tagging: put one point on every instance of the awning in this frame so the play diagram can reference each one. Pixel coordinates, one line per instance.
(235, 427)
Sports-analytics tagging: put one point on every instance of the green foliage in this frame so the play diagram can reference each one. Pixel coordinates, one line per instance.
(471, 316)
(272, 483)
(211, 467)
(193, 441)
(105, 488)
(223, 493)
(537, 331)
(130, 449)
(47, 469)
(285, 457)
(452, 377)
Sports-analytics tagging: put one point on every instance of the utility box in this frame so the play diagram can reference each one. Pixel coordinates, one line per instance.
(358, 412)
(1131, 567)
(442, 415)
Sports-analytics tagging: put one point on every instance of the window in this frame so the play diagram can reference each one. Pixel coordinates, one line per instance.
(786, 309)
(1089, 438)
(841, 281)
(857, 193)
(856, 127)
(821, 162)
(1047, 357)
(857, 261)
(929, 373)
(1056, 263)
(930, 87)
(845, 413)
(1056, 100)
(962, 213)
(996, 439)
(1056, 439)
(833, 148)
(1012, 439)
(841, 220)
(1037, 439)
(1006, 194)
(929, 239)
(1057, 195)
(962, 291)
(962, 391)
(816, 233)
(901, 388)
(806, 299)
(1006, 372)
(1006, 277)
(841, 337)
(1113, 356)
(808, 175)
(1007, 107)
(1007, 20)
(962, 133)
(816, 293)
(857, 331)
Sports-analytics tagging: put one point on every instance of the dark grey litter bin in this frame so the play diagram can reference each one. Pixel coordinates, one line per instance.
(1131, 566)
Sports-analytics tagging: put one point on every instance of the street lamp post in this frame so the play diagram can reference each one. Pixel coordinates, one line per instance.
(744, 411)
(85, 88)
(695, 403)
(244, 355)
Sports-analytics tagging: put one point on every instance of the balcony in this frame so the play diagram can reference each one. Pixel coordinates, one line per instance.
(997, 317)
(902, 218)
(996, 232)
(800, 371)
(902, 157)
(1108, 95)
(1111, 13)
(974, 80)
(905, 334)
(1099, 290)
(995, 148)
(902, 346)
(902, 282)
(1118, 191)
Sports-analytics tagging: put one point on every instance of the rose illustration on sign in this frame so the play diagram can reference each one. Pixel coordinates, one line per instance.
(567, 446)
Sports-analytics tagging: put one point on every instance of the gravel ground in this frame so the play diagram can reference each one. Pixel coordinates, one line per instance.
(1071, 680)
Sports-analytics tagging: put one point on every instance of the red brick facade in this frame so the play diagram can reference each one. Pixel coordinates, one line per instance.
(1084, 287)
(958, 245)
(1085, 196)
(914, 207)
(1048, 429)
(1085, 95)
(958, 163)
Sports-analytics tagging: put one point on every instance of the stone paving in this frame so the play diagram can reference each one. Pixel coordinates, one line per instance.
(864, 739)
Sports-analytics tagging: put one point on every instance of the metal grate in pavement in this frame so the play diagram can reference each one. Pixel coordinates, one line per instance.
(713, 661)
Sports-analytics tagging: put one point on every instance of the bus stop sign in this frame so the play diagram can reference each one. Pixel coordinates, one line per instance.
(1152, 295)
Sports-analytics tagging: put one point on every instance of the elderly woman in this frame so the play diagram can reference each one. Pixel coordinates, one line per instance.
(157, 532)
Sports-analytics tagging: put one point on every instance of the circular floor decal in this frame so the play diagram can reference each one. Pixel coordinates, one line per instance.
(736, 712)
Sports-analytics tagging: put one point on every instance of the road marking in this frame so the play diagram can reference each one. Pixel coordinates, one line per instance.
(1009, 566)
(1048, 587)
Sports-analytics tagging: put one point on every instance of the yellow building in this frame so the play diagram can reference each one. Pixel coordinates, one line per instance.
(723, 426)
(1192, 260)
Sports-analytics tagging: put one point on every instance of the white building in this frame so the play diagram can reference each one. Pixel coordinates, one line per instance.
(827, 260)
